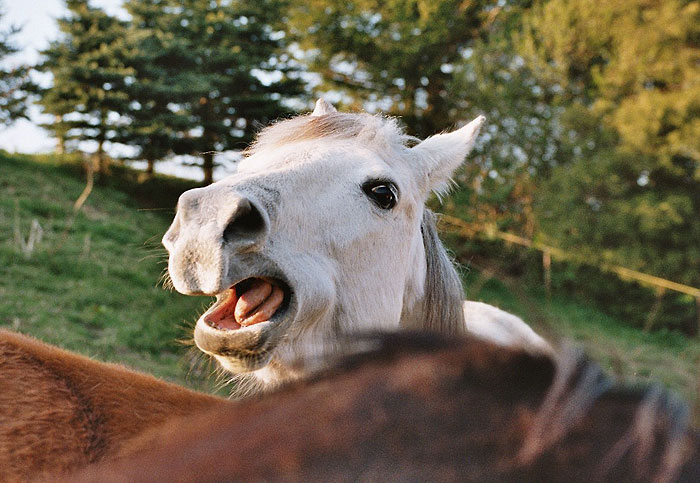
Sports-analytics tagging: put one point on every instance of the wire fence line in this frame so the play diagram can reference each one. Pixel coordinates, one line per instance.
(473, 230)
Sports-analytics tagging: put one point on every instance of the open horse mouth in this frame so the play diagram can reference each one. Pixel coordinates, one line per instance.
(245, 323)
(247, 303)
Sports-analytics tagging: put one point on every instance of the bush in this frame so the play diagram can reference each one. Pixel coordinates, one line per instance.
(636, 305)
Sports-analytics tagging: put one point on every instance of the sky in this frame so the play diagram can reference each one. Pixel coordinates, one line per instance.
(37, 18)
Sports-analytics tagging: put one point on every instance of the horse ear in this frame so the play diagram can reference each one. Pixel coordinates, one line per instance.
(440, 155)
(322, 108)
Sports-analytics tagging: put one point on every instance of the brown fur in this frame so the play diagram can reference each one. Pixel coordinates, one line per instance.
(426, 409)
(417, 408)
(60, 411)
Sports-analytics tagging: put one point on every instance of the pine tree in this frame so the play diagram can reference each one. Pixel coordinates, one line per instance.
(397, 55)
(153, 125)
(88, 68)
(15, 83)
(208, 71)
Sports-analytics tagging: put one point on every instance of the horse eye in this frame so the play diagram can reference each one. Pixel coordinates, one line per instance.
(383, 193)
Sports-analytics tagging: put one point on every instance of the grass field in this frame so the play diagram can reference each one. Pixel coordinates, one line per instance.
(91, 283)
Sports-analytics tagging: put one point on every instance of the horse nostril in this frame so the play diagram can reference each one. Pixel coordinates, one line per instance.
(246, 223)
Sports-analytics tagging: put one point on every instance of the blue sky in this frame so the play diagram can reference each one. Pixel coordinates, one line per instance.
(38, 21)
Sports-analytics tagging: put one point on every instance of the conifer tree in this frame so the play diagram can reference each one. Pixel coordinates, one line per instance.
(207, 71)
(395, 54)
(153, 123)
(88, 68)
(15, 83)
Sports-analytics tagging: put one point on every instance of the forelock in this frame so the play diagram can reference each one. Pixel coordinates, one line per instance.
(373, 131)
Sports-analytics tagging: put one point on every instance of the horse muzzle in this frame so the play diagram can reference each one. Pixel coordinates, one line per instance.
(213, 226)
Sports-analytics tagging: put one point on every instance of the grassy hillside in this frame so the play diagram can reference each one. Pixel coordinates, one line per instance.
(91, 286)
(91, 283)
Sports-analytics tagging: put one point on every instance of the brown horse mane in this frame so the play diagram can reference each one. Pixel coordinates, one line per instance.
(654, 437)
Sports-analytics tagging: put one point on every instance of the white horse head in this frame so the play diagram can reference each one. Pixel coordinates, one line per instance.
(322, 231)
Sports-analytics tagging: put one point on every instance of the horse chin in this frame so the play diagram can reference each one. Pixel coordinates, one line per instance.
(244, 348)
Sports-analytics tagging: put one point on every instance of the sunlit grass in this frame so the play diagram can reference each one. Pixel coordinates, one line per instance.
(90, 285)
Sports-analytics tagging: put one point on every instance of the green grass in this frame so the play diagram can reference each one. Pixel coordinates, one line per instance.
(91, 286)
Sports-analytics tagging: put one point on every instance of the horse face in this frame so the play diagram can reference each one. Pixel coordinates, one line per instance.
(329, 230)
(305, 242)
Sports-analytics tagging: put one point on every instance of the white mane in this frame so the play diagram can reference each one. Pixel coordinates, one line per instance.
(382, 134)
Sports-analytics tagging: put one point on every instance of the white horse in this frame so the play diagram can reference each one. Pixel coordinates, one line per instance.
(323, 232)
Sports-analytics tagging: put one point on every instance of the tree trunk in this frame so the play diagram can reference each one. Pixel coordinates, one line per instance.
(436, 115)
(102, 161)
(150, 168)
(61, 147)
(208, 167)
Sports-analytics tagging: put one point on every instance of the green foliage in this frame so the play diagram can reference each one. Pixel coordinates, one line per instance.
(582, 277)
(633, 62)
(88, 68)
(396, 54)
(518, 145)
(605, 209)
(537, 119)
(15, 84)
(631, 189)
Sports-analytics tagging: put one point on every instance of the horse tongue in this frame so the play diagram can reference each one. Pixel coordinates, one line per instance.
(259, 303)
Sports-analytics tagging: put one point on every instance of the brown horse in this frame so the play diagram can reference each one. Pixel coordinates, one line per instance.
(413, 408)
(60, 411)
